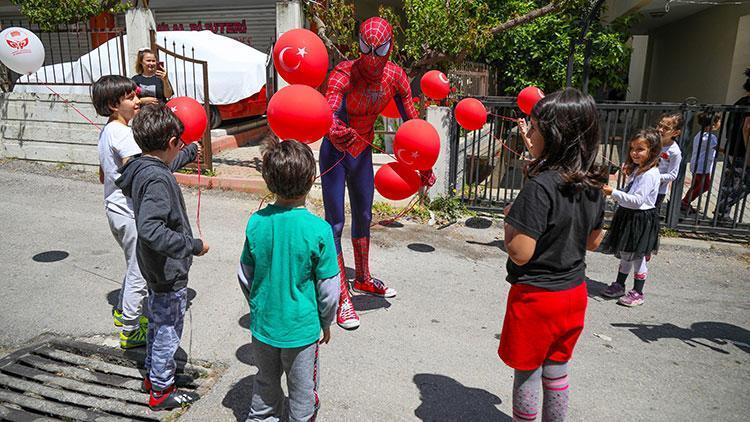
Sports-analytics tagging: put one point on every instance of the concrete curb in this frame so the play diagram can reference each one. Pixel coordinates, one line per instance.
(226, 142)
(238, 184)
(704, 244)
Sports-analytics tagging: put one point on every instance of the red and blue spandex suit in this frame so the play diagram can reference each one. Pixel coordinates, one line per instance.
(358, 90)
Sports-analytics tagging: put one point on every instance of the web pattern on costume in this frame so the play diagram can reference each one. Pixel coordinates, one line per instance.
(358, 90)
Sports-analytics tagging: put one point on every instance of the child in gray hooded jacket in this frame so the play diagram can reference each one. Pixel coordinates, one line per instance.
(165, 246)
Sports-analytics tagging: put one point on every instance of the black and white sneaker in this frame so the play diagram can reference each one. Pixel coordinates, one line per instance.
(171, 398)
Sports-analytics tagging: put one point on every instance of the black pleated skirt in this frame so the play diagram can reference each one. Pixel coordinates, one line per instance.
(633, 232)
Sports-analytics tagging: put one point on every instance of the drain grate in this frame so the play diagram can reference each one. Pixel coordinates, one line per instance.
(67, 379)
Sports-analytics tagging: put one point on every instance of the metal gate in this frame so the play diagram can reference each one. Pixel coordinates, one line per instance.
(176, 59)
(487, 165)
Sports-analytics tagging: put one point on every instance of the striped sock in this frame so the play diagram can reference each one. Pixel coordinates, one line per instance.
(526, 394)
(555, 401)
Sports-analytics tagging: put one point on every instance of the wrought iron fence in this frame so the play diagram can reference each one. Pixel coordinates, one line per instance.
(189, 78)
(75, 54)
(486, 167)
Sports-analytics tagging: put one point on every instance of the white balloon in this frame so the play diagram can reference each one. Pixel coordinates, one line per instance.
(21, 50)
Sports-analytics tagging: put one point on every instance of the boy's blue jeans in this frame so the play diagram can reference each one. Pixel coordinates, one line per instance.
(166, 317)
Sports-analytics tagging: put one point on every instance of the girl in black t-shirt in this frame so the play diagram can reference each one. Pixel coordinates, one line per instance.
(152, 79)
(556, 217)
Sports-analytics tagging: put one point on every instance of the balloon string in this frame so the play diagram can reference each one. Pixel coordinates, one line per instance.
(263, 200)
(69, 104)
(343, 155)
(510, 119)
(403, 212)
(198, 213)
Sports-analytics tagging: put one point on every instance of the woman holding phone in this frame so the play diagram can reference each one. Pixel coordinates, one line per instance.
(151, 78)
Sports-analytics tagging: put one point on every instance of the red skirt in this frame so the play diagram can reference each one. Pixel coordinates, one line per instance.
(541, 325)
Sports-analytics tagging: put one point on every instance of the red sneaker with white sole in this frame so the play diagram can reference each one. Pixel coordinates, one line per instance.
(374, 287)
(346, 316)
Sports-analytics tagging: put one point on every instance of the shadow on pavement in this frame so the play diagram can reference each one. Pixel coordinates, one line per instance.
(718, 333)
(365, 302)
(445, 399)
(420, 247)
(50, 256)
(500, 244)
(478, 223)
(238, 397)
(595, 288)
(245, 354)
(244, 321)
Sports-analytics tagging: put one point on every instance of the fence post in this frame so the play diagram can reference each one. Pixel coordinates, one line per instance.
(138, 23)
(289, 15)
(440, 119)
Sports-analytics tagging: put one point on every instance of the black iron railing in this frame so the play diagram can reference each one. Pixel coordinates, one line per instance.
(487, 165)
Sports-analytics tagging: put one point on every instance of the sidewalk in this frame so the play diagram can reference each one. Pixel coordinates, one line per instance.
(428, 354)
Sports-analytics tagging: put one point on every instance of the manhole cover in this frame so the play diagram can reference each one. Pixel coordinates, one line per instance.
(67, 379)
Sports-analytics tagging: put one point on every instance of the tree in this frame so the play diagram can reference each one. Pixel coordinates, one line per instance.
(48, 14)
(526, 40)
(537, 53)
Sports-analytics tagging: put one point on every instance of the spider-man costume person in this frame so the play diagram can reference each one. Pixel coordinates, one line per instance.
(358, 90)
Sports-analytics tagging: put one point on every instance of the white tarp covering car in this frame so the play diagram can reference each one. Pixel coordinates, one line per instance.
(235, 70)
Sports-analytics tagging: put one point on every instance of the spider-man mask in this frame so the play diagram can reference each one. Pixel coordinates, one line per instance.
(375, 36)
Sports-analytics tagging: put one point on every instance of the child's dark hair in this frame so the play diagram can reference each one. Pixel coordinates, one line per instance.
(288, 168)
(154, 126)
(108, 92)
(707, 120)
(677, 119)
(568, 122)
(653, 140)
(747, 81)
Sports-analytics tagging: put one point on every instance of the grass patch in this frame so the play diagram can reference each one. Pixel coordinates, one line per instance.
(667, 232)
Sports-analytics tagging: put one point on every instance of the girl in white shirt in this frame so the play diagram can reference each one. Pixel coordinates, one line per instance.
(702, 158)
(634, 232)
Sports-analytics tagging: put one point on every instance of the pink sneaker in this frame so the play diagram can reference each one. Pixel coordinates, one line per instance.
(374, 287)
(346, 316)
(614, 290)
(631, 298)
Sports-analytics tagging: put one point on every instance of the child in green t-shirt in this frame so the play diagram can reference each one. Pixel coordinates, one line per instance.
(289, 274)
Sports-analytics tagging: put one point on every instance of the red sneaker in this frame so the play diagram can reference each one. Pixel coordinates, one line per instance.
(346, 316)
(171, 398)
(374, 287)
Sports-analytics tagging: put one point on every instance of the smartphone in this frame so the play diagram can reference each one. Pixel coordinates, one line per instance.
(161, 65)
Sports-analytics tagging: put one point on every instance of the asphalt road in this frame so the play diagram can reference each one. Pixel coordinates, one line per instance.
(428, 354)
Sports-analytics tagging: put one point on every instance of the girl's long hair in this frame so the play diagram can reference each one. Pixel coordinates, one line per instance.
(569, 123)
(653, 140)
(139, 59)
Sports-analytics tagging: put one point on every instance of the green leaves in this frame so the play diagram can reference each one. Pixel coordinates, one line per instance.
(48, 14)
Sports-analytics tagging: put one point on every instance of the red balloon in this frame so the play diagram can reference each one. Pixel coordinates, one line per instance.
(471, 114)
(299, 112)
(300, 57)
(435, 85)
(391, 110)
(417, 144)
(396, 181)
(192, 115)
(528, 97)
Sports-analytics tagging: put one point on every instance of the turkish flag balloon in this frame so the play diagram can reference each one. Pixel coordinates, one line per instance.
(528, 97)
(21, 50)
(435, 85)
(397, 181)
(471, 114)
(192, 115)
(299, 112)
(300, 57)
(417, 144)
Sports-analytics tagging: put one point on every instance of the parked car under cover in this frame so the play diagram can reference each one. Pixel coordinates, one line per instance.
(236, 72)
